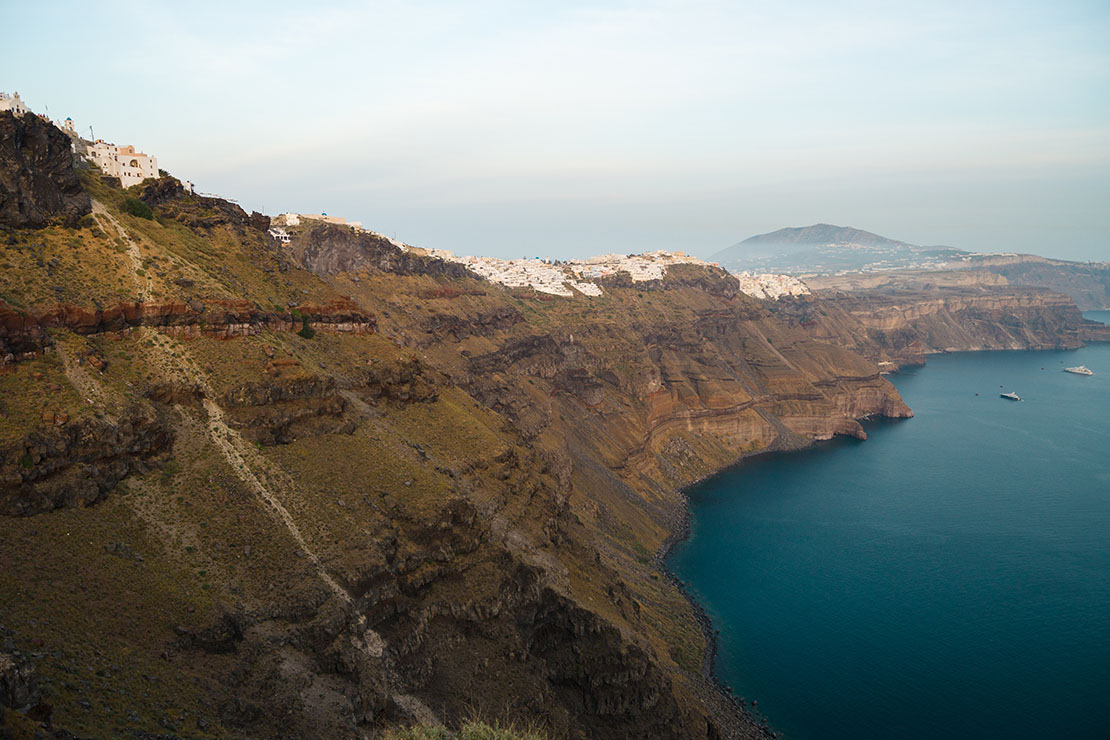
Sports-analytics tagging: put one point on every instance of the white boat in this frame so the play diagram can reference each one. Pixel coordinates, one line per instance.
(1011, 395)
(1081, 370)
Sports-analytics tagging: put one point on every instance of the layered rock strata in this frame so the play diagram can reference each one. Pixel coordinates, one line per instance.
(24, 334)
(902, 326)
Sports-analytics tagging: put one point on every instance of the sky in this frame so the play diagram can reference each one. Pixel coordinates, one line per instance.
(566, 129)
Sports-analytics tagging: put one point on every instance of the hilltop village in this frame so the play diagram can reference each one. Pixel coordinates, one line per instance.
(554, 277)
(563, 277)
(125, 162)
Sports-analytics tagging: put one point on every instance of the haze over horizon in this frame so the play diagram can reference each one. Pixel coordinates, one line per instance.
(564, 131)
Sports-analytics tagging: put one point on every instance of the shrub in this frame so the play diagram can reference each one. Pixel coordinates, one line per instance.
(136, 207)
(306, 331)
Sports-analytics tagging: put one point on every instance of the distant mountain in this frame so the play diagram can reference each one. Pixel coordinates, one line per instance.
(816, 235)
(825, 249)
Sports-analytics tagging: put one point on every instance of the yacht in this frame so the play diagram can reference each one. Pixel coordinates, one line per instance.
(1081, 370)
(1011, 395)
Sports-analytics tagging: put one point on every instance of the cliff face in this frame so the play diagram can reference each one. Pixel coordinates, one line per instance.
(902, 325)
(37, 181)
(1087, 283)
(328, 249)
(366, 489)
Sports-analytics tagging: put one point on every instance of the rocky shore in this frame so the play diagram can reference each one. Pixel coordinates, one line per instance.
(678, 522)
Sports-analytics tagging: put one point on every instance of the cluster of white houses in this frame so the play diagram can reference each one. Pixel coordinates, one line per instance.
(567, 277)
(770, 286)
(125, 162)
(130, 166)
(563, 278)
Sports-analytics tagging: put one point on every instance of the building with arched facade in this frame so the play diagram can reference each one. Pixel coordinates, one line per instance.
(124, 162)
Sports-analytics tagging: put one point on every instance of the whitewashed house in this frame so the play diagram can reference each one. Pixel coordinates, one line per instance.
(130, 166)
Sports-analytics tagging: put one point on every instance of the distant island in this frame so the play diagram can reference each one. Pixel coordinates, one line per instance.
(823, 249)
(829, 252)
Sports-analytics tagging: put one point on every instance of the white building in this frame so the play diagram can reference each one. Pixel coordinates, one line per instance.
(280, 234)
(572, 275)
(770, 286)
(130, 166)
(13, 103)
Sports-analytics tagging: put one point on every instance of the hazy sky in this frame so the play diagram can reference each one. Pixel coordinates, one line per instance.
(573, 128)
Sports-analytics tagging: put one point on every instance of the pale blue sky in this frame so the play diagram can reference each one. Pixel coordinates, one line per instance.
(573, 128)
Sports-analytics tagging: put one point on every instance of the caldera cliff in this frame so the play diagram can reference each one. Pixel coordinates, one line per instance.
(334, 487)
(899, 318)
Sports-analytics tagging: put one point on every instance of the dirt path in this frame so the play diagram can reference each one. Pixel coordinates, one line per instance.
(133, 253)
(85, 385)
(241, 457)
(230, 443)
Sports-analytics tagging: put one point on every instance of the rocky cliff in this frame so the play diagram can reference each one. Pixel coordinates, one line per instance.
(899, 319)
(37, 181)
(1088, 283)
(337, 488)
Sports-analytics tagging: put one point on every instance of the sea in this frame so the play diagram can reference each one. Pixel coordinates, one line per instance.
(949, 577)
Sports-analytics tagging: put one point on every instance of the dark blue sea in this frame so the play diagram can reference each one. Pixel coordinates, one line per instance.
(947, 578)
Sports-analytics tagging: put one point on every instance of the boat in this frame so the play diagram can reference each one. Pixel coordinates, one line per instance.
(1081, 370)
(1011, 395)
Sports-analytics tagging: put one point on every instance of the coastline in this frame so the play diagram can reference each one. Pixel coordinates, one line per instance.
(679, 526)
(682, 531)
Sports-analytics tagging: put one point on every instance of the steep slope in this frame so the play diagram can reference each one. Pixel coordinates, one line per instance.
(242, 498)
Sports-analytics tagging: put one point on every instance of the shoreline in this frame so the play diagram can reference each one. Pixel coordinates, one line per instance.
(679, 526)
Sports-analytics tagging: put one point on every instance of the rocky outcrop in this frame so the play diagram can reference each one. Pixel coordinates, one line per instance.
(484, 324)
(328, 249)
(18, 683)
(37, 181)
(76, 462)
(170, 199)
(289, 403)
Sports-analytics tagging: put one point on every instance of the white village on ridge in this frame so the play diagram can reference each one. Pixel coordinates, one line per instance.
(554, 277)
